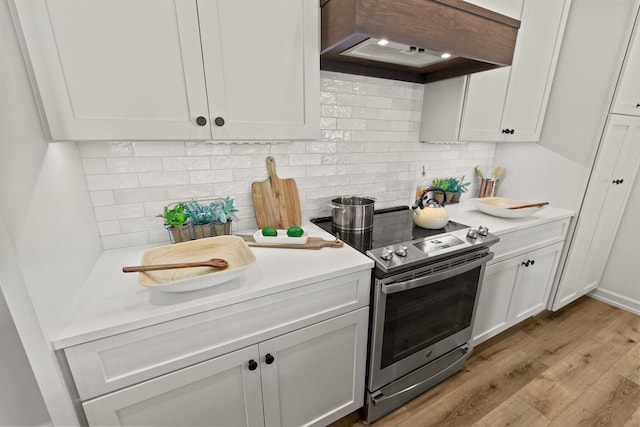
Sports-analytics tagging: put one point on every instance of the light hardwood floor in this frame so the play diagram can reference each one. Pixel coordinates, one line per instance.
(579, 366)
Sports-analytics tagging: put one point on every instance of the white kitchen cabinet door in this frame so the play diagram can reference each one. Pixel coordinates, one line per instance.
(514, 290)
(262, 67)
(606, 197)
(492, 312)
(317, 374)
(221, 391)
(503, 104)
(117, 69)
(627, 98)
(534, 284)
(510, 104)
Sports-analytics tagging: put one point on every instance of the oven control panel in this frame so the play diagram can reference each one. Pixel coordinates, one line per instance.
(421, 251)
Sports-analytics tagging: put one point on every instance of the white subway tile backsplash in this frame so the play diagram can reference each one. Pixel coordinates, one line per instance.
(90, 150)
(134, 164)
(139, 195)
(140, 224)
(190, 191)
(351, 124)
(111, 182)
(109, 228)
(368, 146)
(186, 163)
(94, 166)
(210, 176)
(205, 149)
(102, 198)
(108, 213)
(379, 102)
(159, 148)
(163, 179)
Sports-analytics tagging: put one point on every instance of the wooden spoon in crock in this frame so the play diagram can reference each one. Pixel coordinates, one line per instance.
(213, 262)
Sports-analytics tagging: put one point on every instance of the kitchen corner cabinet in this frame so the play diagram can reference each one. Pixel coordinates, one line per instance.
(518, 281)
(292, 358)
(503, 104)
(173, 69)
(602, 209)
(627, 97)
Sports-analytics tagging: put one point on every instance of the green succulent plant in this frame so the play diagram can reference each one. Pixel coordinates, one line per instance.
(176, 216)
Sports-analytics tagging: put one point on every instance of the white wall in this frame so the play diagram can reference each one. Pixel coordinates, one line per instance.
(48, 239)
(21, 403)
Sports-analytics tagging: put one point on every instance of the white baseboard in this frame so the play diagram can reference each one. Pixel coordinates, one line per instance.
(616, 300)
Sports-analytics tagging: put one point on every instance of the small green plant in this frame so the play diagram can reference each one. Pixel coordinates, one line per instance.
(457, 185)
(200, 214)
(227, 210)
(441, 183)
(451, 185)
(176, 216)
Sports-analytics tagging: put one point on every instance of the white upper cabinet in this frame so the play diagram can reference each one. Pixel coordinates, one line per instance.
(505, 104)
(262, 68)
(166, 69)
(627, 98)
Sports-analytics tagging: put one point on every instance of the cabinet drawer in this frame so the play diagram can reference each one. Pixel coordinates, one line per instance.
(111, 363)
(521, 241)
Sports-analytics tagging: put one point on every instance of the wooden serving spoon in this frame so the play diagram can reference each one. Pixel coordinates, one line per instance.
(532, 205)
(213, 262)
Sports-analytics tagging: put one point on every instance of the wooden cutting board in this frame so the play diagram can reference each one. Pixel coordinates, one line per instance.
(312, 243)
(276, 202)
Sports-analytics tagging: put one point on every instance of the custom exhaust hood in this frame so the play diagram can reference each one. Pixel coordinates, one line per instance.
(418, 41)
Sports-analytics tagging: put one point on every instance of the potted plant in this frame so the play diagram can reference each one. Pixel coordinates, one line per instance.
(201, 218)
(456, 186)
(175, 219)
(444, 185)
(224, 213)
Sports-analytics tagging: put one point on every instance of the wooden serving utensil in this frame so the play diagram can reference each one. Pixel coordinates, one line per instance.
(532, 205)
(213, 262)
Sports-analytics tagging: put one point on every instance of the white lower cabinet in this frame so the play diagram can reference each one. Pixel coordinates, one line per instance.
(517, 284)
(604, 204)
(311, 376)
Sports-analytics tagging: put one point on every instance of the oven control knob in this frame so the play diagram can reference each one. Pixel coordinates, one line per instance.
(386, 254)
(472, 233)
(401, 250)
(483, 231)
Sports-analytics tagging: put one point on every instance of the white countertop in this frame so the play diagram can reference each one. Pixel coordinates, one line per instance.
(466, 213)
(112, 302)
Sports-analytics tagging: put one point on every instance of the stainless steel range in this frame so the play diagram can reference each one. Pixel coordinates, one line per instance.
(425, 289)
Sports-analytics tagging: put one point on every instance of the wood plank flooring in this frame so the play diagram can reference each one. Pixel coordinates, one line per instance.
(579, 366)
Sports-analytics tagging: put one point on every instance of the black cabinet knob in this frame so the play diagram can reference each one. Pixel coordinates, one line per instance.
(269, 359)
(508, 131)
(505, 130)
(533, 261)
(201, 121)
(219, 121)
(526, 264)
(637, 105)
(621, 181)
(253, 365)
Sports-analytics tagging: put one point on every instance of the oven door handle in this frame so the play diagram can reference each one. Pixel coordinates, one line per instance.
(381, 398)
(432, 278)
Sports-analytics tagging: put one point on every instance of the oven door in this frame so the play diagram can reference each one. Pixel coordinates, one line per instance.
(421, 315)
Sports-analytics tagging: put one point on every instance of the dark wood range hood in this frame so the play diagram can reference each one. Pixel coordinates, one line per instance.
(478, 39)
